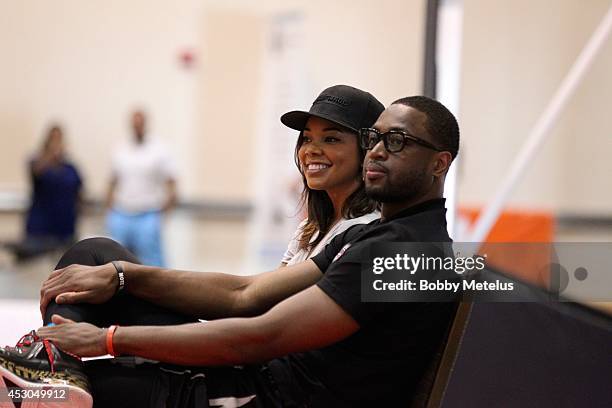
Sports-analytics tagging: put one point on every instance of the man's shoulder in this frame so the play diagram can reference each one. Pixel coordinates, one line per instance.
(353, 233)
(358, 238)
(422, 227)
(375, 230)
(428, 226)
(393, 230)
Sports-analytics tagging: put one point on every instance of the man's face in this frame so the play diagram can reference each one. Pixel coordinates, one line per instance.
(138, 124)
(405, 175)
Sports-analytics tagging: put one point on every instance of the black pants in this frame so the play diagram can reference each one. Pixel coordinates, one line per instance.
(155, 385)
(123, 309)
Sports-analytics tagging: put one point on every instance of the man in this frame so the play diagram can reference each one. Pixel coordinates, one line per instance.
(142, 188)
(301, 333)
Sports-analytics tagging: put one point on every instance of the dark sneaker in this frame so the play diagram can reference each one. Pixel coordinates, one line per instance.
(37, 364)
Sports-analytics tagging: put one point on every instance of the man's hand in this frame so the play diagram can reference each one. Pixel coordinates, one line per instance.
(79, 284)
(81, 339)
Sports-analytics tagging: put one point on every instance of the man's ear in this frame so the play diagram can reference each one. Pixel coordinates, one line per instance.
(442, 163)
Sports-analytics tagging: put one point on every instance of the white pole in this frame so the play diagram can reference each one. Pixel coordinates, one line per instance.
(542, 127)
(448, 57)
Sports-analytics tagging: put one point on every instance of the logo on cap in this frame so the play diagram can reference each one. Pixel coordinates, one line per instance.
(332, 99)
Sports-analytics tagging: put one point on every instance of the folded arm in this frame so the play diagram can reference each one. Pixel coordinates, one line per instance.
(203, 294)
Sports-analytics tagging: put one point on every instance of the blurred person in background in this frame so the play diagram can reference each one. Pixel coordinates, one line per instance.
(141, 190)
(329, 158)
(56, 187)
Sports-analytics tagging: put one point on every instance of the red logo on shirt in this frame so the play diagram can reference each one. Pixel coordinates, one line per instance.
(341, 252)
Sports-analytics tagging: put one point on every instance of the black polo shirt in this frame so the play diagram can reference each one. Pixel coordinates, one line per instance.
(381, 364)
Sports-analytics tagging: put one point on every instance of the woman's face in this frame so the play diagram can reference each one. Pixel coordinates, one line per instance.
(55, 143)
(329, 156)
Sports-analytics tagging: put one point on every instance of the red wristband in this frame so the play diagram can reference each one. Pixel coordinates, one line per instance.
(110, 332)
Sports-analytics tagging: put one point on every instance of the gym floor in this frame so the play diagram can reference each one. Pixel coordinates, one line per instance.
(192, 242)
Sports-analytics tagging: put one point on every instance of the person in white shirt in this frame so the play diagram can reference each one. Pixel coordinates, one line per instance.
(142, 188)
(330, 159)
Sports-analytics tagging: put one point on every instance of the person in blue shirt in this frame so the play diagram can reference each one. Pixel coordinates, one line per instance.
(56, 187)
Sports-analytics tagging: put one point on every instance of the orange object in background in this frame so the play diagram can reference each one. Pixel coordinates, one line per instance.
(516, 225)
(529, 261)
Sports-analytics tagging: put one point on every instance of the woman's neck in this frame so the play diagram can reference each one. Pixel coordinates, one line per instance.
(339, 195)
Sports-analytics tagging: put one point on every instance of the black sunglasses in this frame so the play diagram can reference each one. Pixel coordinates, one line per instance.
(394, 140)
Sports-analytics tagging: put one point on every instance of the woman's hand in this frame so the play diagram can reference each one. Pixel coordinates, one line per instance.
(79, 284)
(81, 339)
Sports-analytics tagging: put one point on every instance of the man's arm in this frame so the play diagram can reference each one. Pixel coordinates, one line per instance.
(203, 294)
(305, 321)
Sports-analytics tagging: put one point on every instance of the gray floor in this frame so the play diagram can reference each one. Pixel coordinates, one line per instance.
(191, 242)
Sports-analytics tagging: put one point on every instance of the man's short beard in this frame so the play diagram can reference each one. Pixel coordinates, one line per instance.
(411, 187)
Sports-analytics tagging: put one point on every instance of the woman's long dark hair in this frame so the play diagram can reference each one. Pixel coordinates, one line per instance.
(320, 207)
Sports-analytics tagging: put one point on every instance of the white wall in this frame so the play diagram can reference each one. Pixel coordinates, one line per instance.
(376, 46)
(514, 56)
(86, 64)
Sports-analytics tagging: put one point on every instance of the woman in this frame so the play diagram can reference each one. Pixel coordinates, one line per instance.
(330, 160)
(56, 189)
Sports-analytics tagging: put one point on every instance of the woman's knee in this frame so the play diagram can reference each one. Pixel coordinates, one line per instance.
(98, 244)
(95, 251)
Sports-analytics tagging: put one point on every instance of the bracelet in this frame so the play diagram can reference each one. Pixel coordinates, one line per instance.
(110, 332)
(120, 275)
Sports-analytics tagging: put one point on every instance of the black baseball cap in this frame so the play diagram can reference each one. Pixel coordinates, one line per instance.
(341, 104)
